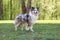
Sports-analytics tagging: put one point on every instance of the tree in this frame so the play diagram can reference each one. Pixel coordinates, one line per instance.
(10, 9)
(44, 10)
(1, 9)
(28, 5)
(24, 10)
(56, 9)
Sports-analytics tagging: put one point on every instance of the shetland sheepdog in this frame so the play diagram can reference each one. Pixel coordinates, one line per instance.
(27, 20)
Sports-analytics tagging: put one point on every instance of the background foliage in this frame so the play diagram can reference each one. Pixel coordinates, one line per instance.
(49, 9)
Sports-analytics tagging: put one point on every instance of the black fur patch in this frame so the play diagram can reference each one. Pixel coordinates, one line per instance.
(26, 18)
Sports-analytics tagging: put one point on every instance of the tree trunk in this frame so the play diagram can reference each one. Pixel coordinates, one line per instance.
(44, 11)
(10, 9)
(28, 5)
(24, 10)
(1, 9)
(56, 9)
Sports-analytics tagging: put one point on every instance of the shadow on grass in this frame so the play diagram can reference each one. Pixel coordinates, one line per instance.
(42, 32)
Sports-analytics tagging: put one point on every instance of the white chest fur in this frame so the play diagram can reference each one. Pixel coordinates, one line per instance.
(33, 17)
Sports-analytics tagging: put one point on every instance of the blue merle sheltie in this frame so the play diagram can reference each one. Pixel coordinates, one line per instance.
(27, 20)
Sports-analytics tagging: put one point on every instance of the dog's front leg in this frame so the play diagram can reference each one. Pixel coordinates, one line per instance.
(26, 26)
(31, 28)
(22, 28)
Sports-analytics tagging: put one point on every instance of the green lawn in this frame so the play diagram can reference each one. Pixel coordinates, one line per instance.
(38, 21)
(42, 32)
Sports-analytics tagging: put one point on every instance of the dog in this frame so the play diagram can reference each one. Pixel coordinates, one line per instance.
(27, 20)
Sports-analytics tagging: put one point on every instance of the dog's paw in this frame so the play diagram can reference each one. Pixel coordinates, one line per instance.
(32, 30)
(27, 29)
(15, 29)
(22, 29)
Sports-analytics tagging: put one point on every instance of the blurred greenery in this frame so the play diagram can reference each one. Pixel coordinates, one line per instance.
(49, 9)
(42, 32)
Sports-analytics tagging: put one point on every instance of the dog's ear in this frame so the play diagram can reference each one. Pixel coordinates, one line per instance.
(37, 8)
(32, 8)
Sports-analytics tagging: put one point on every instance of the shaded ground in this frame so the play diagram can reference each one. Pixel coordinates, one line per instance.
(42, 32)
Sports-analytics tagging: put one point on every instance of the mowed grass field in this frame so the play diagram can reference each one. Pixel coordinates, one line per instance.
(43, 31)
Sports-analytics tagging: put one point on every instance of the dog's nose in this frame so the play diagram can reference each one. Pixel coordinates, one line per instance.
(35, 12)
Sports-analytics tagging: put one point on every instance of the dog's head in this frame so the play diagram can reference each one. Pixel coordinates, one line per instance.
(35, 11)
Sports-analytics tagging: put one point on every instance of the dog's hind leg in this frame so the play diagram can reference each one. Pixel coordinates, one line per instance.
(16, 26)
(22, 27)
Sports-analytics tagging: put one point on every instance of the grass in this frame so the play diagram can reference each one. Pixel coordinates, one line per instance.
(43, 31)
(38, 21)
